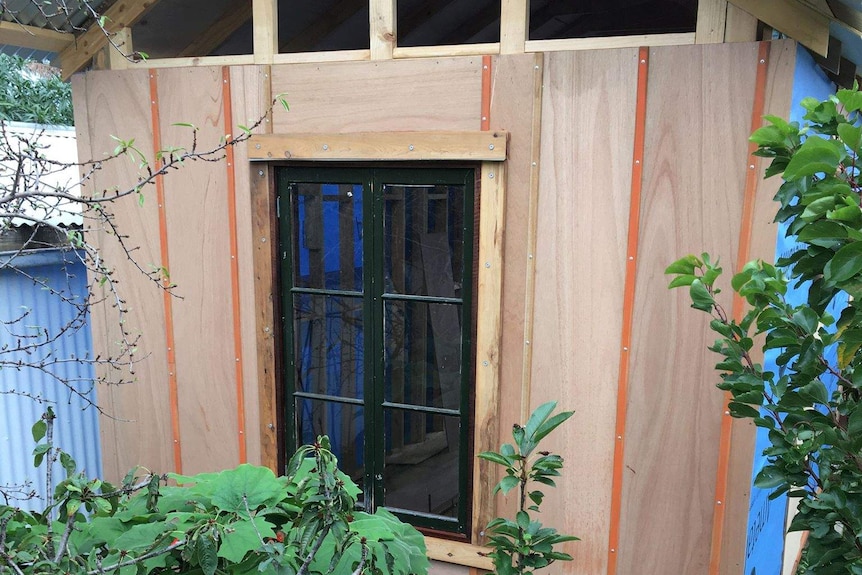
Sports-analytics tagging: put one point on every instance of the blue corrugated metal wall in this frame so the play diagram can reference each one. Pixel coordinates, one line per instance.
(77, 426)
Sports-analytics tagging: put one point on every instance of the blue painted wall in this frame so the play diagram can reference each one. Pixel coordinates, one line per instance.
(766, 518)
(77, 426)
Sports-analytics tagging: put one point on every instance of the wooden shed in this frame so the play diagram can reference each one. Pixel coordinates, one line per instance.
(435, 239)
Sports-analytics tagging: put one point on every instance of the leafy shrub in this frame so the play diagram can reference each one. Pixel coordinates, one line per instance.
(29, 97)
(524, 545)
(243, 520)
(812, 404)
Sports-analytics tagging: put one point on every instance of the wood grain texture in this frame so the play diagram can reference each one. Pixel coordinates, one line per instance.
(383, 28)
(489, 331)
(432, 94)
(711, 19)
(265, 244)
(250, 95)
(264, 22)
(532, 222)
(118, 103)
(458, 552)
(698, 115)
(199, 247)
(515, 86)
(583, 210)
(377, 147)
(779, 87)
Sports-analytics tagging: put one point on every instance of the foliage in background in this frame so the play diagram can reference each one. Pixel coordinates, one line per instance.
(243, 520)
(812, 403)
(28, 96)
(524, 545)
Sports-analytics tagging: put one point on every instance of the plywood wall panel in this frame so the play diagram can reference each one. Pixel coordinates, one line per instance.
(250, 100)
(586, 153)
(515, 87)
(779, 87)
(421, 94)
(199, 251)
(138, 429)
(699, 106)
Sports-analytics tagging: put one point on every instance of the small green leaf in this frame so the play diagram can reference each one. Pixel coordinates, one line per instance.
(769, 477)
(39, 429)
(700, 297)
(507, 484)
(684, 265)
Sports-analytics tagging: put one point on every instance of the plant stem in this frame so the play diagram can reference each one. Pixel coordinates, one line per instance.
(49, 494)
(303, 570)
(64, 541)
(136, 560)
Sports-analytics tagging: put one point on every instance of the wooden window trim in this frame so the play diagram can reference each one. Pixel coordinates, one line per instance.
(488, 327)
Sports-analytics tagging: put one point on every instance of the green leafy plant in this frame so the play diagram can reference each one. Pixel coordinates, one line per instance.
(243, 520)
(26, 96)
(810, 404)
(524, 545)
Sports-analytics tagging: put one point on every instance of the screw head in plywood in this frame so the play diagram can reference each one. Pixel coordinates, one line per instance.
(325, 147)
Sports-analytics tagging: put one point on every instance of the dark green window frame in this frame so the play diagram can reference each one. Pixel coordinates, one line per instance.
(374, 296)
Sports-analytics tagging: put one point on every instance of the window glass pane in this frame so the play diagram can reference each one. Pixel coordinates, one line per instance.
(327, 236)
(421, 471)
(328, 345)
(447, 22)
(422, 353)
(423, 236)
(344, 425)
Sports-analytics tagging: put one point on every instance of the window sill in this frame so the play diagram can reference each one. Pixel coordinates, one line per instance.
(458, 553)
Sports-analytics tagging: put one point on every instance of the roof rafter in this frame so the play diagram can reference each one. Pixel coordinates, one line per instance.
(798, 20)
(122, 14)
(34, 38)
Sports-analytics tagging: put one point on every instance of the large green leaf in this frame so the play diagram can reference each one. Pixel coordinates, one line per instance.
(815, 156)
(244, 536)
(846, 263)
(247, 487)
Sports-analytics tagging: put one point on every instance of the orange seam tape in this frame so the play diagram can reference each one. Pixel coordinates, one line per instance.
(628, 309)
(486, 93)
(168, 303)
(743, 253)
(234, 264)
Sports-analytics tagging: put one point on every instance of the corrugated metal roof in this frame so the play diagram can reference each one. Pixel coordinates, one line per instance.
(60, 15)
(77, 426)
(60, 146)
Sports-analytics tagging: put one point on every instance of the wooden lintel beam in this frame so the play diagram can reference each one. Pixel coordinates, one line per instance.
(121, 14)
(797, 20)
(323, 26)
(15, 34)
(383, 146)
(229, 22)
